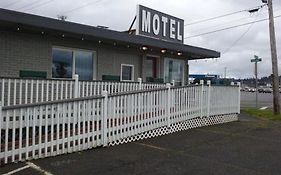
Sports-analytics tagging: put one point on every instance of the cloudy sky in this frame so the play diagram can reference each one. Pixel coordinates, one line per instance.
(237, 45)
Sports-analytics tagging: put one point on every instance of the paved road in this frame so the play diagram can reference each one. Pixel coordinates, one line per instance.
(248, 100)
(248, 147)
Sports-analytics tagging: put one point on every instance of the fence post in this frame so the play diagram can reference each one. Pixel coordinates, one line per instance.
(201, 98)
(140, 83)
(104, 118)
(168, 85)
(239, 96)
(209, 97)
(76, 85)
(173, 83)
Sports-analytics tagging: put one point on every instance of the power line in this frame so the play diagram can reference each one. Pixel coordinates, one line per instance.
(11, 4)
(30, 4)
(221, 16)
(232, 21)
(77, 8)
(222, 24)
(39, 5)
(240, 25)
(228, 22)
(236, 41)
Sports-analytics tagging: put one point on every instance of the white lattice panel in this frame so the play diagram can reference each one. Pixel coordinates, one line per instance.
(189, 124)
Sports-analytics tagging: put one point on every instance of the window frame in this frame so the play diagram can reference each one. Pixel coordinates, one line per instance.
(133, 72)
(73, 50)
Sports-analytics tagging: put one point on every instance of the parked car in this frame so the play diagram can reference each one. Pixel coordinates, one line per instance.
(252, 90)
(266, 90)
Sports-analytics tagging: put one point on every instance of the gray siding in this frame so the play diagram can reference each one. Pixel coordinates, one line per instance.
(109, 62)
(20, 51)
(23, 52)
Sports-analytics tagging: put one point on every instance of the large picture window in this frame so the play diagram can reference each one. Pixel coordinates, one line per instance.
(67, 62)
(127, 72)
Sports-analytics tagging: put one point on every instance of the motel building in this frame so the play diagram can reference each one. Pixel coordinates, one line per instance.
(39, 47)
(67, 87)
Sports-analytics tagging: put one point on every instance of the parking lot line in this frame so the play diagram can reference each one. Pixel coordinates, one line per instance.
(152, 146)
(17, 170)
(36, 167)
(264, 108)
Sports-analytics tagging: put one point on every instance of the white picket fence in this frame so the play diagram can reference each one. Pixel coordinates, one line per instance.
(52, 128)
(24, 91)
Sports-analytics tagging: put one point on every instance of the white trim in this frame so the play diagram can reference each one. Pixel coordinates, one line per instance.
(133, 72)
(74, 50)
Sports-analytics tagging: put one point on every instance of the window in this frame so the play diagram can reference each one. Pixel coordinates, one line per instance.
(174, 71)
(127, 72)
(67, 62)
(62, 63)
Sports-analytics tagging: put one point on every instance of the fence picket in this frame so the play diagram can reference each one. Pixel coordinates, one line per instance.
(53, 128)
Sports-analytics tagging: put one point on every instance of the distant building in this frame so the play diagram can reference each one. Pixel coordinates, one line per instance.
(195, 78)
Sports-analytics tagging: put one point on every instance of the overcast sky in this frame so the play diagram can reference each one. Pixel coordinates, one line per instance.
(237, 45)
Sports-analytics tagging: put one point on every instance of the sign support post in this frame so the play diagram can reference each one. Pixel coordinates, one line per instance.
(256, 60)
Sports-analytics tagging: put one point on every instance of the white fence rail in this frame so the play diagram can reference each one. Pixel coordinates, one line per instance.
(52, 128)
(24, 91)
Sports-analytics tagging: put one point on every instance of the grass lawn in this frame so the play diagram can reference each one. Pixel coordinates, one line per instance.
(265, 114)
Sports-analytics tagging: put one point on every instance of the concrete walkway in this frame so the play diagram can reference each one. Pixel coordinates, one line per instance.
(250, 146)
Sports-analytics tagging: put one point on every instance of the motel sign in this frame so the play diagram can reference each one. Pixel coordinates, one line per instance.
(159, 25)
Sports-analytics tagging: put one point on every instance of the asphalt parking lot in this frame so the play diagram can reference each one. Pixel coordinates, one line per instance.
(250, 146)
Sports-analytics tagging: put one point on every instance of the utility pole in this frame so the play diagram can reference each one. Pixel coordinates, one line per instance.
(256, 60)
(275, 77)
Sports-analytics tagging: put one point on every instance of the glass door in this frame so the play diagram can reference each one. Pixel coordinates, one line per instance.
(151, 68)
(84, 65)
(173, 70)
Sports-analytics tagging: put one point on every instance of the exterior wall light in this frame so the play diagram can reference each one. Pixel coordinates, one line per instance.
(179, 54)
(62, 35)
(99, 41)
(18, 29)
(163, 50)
(144, 48)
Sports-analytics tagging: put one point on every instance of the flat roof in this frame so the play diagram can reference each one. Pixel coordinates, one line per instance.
(9, 18)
